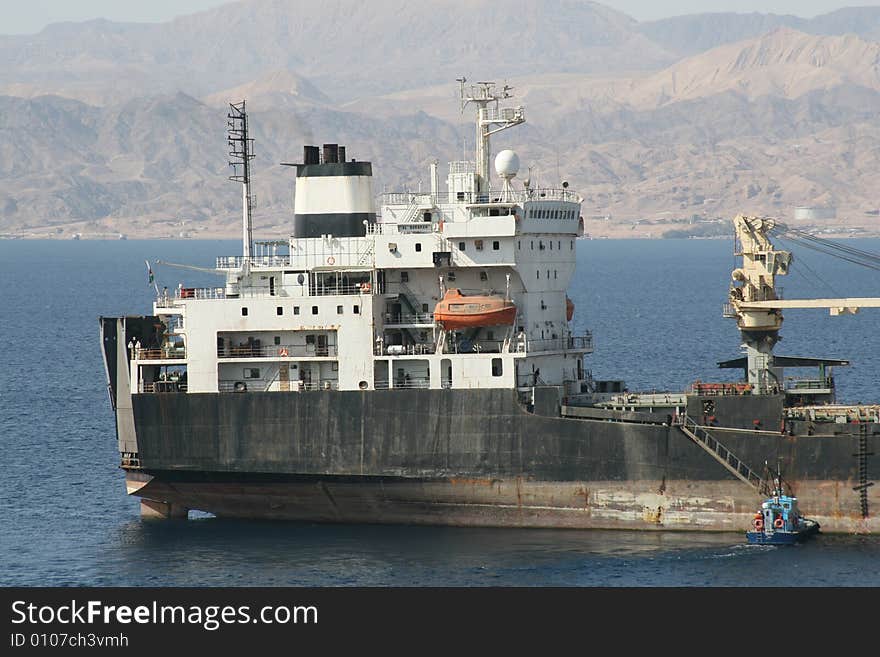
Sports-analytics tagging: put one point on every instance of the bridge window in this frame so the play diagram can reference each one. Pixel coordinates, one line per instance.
(461, 246)
(496, 245)
(478, 244)
(279, 310)
(519, 245)
(450, 276)
(538, 273)
(338, 310)
(496, 367)
(314, 310)
(404, 277)
(572, 245)
(418, 246)
(252, 372)
(244, 311)
(296, 310)
(277, 339)
(484, 276)
(356, 309)
(550, 242)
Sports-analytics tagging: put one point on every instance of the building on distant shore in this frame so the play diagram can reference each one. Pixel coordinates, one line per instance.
(814, 212)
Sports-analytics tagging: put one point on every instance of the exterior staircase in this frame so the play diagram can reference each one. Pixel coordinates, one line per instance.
(712, 446)
(366, 257)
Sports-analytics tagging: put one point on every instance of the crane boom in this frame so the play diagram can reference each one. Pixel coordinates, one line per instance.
(206, 270)
(848, 305)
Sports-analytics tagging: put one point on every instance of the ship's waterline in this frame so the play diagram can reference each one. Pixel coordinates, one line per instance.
(685, 505)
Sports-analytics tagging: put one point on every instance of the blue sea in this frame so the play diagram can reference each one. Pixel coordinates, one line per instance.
(654, 308)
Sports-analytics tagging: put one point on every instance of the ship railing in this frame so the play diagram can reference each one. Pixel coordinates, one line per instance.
(803, 383)
(405, 350)
(420, 318)
(276, 351)
(767, 294)
(462, 166)
(723, 389)
(161, 386)
(835, 413)
(317, 385)
(469, 198)
(571, 343)
(295, 386)
(232, 386)
(165, 353)
(648, 399)
(165, 301)
(392, 228)
(502, 114)
(335, 290)
(477, 347)
(403, 383)
(544, 194)
(237, 262)
(200, 293)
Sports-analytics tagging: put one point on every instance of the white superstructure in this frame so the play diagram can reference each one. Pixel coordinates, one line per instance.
(348, 301)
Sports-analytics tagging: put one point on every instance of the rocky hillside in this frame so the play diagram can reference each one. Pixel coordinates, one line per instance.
(108, 128)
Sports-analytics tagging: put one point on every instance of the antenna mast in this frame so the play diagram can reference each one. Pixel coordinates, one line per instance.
(482, 94)
(241, 152)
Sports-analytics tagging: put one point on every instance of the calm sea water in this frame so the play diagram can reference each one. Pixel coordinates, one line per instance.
(654, 308)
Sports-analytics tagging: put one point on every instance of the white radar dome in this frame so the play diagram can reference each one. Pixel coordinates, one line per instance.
(506, 164)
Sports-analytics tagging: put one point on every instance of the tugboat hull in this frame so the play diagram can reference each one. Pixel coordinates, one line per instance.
(782, 537)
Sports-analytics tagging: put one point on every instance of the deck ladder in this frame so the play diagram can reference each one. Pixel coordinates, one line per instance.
(701, 436)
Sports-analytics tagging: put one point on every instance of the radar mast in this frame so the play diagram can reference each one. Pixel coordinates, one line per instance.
(482, 94)
(241, 152)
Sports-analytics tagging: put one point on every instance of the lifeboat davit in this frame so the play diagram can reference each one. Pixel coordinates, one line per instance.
(569, 309)
(458, 311)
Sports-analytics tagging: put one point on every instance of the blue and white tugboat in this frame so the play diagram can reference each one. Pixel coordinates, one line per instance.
(779, 522)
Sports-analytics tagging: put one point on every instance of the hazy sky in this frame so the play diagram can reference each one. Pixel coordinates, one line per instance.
(29, 16)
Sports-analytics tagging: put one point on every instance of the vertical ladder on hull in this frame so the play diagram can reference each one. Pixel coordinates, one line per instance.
(862, 455)
(701, 436)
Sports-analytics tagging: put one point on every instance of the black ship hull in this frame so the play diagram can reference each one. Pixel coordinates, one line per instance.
(479, 458)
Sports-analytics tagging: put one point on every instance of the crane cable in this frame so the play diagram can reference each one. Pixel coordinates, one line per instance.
(801, 262)
(829, 247)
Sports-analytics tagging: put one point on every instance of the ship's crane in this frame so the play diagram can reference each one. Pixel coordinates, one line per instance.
(754, 300)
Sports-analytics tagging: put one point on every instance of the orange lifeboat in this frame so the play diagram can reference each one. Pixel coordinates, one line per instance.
(458, 311)
(569, 309)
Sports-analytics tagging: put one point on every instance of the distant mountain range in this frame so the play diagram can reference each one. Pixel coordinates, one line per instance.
(119, 128)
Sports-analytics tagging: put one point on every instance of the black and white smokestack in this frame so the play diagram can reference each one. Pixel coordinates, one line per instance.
(333, 197)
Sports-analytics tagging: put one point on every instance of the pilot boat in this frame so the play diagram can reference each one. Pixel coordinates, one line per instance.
(779, 522)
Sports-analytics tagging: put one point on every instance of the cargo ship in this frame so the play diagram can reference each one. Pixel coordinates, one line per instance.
(418, 365)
